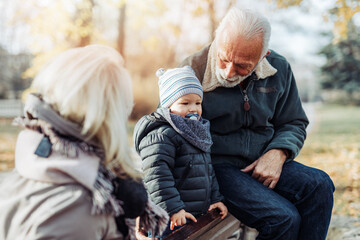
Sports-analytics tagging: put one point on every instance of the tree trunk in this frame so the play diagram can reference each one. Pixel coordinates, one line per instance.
(212, 19)
(87, 22)
(212, 15)
(121, 36)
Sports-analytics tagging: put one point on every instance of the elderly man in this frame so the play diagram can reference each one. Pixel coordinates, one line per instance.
(258, 128)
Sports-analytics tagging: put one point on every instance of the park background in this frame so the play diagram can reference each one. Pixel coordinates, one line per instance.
(320, 39)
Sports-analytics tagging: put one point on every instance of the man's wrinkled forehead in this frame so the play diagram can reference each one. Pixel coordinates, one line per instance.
(230, 56)
(238, 49)
(228, 53)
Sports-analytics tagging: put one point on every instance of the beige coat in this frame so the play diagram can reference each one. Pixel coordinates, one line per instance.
(51, 198)
(39, 210)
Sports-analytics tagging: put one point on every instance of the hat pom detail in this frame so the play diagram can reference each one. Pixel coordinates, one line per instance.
(160, 72)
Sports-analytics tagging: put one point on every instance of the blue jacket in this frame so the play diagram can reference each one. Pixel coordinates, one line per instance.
(275, 119)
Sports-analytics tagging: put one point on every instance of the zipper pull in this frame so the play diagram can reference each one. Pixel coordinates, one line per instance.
(246, 102)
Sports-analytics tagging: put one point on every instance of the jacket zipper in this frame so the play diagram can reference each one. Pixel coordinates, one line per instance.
(185, 174)
(246, 102)
(209, 184)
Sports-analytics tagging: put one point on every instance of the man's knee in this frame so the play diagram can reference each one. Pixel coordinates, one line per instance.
(310, 183)
(322, 184)
(275, 218)
(326, 182)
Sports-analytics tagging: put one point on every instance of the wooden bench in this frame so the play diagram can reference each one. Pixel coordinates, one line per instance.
(210, 226)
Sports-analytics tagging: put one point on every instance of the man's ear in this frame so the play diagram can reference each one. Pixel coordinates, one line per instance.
(267, 53)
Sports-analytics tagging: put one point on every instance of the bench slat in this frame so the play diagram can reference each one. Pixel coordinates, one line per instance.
(209, 226)
(223, 229)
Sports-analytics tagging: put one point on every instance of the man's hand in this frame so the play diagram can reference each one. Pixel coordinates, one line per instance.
(179, 218)
(223, 209)
(267, 169)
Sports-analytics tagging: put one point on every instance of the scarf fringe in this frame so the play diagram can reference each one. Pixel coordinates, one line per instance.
(131, 224)
(155, 219)
(104, 202)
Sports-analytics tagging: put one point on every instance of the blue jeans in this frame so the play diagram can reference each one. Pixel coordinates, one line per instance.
(299, 207)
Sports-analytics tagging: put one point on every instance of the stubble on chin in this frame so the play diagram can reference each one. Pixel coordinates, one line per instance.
(227, 82)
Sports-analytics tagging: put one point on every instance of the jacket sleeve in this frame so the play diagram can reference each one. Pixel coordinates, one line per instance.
(215, 193)
(289, 120)
(157, 152)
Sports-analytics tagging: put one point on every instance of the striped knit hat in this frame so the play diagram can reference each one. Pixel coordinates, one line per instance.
(177, 82)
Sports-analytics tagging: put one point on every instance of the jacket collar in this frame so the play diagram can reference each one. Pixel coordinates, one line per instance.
(58, 168)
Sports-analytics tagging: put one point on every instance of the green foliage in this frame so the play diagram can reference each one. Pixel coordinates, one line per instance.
(342, 68)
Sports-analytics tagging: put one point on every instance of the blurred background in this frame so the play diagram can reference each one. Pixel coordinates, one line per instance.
(319, 38)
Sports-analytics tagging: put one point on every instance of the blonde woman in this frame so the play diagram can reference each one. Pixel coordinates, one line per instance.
(73, 171)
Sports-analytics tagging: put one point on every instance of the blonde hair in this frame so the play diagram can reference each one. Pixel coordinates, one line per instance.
(90, 86)
(248, 24)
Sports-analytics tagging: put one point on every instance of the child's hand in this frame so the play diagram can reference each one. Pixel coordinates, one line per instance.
(223, 209)
(179, 218)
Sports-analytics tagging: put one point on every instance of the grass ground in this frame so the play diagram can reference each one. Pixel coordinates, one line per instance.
(8, 135)
(333, 146)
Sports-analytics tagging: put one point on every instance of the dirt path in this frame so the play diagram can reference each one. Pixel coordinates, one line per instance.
(343, 227)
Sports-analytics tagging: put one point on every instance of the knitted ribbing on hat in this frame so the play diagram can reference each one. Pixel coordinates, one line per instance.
(177, 82)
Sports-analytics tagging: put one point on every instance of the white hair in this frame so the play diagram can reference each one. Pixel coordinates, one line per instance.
(90, 86)
(246, 23)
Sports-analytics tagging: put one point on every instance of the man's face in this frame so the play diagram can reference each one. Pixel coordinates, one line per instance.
(237, 57)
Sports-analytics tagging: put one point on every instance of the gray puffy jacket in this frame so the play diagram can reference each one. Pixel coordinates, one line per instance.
(178, 175)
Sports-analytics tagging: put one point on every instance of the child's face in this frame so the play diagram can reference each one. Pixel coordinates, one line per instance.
(190, 103)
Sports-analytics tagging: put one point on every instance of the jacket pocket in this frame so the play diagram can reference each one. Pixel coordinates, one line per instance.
(185, 174)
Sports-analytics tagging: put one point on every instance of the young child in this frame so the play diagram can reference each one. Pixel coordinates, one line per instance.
(174, 144)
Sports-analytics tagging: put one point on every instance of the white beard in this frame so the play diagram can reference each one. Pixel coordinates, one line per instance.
(228, 82)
